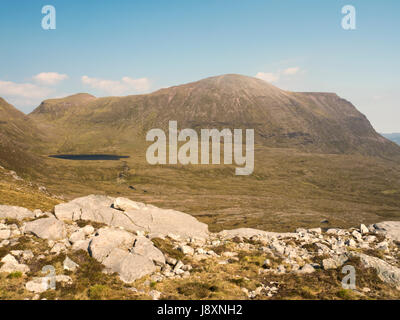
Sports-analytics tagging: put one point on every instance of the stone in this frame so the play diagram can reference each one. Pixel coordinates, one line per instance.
(70, 265)
(38, 213)
(146, 248)
(187, 250)
(276, 246)
(370, 239)
(178, 266)
(384, 246)
(155, 295)
(63, 278)
(363, 229)
(229, 254)
(171, 261)
(9, 259)
(329, 264)
(356, 235)
(15, 212)
(127, 204)
(10, 264)
(58, 248)
(107, 240)
(81, 245)
(5, 234)
(95, 208)
(47, 228)
(135, 217)
(88, 230)
(77, 235)
(385, 271)
(334, 262)
(249, 233)
(129, 266)
(27, 255)
(315, 231)
(350, 243)
(307, 268)
(390, 229)
(38, 285)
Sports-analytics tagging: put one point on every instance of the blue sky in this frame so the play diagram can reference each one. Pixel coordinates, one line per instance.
(128, 47)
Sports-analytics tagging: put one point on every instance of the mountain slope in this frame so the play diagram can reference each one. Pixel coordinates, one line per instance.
(18, 137)
(316, 122)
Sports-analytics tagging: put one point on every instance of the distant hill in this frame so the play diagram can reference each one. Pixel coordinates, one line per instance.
(312, 122)
(393, 136)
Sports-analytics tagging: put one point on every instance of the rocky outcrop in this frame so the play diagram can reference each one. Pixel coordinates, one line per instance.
(386, 272)
(390, 229)
(15, 212)
(132, 216)
(10, 264)
(126, 245)
(130, 256)
(47, 228)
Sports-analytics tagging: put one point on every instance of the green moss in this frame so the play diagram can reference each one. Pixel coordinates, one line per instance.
(15, 275)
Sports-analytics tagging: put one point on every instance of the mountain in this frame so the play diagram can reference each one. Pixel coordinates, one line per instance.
(19, 137)
(317, 158)
(395, 137)
(313, 122)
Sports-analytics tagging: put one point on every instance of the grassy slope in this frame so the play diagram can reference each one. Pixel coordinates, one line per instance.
(23, 193)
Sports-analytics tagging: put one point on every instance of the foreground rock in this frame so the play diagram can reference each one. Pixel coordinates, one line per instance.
(10, 264)
(15, 212)
(132, 257)
(132, 216)
(390, 229)
(124, 244)
(386, 272)
(47, 228)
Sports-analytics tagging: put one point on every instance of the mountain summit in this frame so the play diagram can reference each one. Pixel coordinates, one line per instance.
(313, 122)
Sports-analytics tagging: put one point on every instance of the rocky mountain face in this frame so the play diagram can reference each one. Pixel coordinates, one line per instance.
(315, 122)
(136, 241)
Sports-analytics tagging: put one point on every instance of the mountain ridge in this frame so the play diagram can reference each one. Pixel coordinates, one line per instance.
(310, 121)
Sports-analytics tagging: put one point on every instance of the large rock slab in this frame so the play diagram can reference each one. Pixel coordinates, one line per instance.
(161, 222)
(107, 240)
(132, 216)
(390, 229)
(47, 228)
(386, 272)
(132, 257)
(95, 208)
(15, 212)
(129, 266)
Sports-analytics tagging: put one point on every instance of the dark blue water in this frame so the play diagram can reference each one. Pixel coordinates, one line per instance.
(88, 157)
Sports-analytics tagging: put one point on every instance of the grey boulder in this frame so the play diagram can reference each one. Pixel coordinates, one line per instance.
(47, 228)
(15, 212)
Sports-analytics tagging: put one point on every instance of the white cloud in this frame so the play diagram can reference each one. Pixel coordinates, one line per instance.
(290, 71)
(268, 76)
(23, 94)
(50, 78)
(124, 86)
(276, 76)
